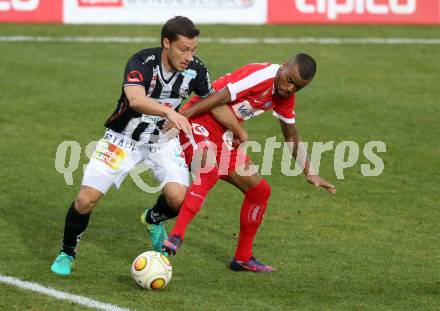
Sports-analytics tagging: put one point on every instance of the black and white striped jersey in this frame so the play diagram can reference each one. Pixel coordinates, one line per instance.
(144, 69)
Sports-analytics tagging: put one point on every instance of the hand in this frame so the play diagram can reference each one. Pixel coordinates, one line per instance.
(179, 121)
(172, 132)
(168, 125)
(319, 182)
(239, 138)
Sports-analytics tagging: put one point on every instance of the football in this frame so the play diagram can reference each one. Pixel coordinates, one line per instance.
(151, 270)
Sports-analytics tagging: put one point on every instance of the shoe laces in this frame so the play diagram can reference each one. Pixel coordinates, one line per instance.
(63, 257)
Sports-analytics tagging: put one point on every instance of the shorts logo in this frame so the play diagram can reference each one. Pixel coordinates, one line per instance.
(200, 130)
(110, 154)
(135, 76)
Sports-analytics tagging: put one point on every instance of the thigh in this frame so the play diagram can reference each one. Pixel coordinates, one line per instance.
(114, 156)
(167, 163)
(246, 181)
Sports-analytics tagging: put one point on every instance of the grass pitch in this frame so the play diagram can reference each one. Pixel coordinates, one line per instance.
(374, 246)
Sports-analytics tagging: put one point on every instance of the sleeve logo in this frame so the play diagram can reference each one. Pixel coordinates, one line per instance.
(135, 76)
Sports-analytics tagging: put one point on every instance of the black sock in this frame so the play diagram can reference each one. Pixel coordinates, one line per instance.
(161, 211)
(74, 227)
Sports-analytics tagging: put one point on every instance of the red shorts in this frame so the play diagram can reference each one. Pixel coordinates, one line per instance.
(209, 134)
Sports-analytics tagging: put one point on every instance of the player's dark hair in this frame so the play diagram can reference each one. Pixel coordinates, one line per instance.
(306, 65)
(178, 25)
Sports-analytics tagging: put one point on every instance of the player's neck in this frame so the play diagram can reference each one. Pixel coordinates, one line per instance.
(165, 64)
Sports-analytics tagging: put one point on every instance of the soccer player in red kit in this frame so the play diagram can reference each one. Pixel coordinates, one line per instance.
(246, 92)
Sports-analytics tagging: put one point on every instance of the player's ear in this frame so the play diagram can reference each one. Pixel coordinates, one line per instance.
(166, 43)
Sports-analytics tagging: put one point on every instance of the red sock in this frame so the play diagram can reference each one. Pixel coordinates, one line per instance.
(194, 199)
(251, 216)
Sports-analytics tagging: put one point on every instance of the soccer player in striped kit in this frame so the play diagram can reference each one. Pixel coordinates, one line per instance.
(156, 80)
(246, 92)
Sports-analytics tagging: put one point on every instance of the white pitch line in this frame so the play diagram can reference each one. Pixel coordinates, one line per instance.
(240, 40)
(59, 294)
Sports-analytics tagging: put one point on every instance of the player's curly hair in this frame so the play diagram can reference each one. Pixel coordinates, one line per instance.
(306, 65)
(178, 25)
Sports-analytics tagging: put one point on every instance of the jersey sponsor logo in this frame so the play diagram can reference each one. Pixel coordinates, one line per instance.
(190, 73)
(245, 111)
(200, 130)
(135, 76)
(100, 3)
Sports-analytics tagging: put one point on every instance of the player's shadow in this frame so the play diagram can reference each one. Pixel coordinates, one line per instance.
(218, 248)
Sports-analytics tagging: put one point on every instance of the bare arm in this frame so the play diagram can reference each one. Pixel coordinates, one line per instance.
(291, 135)
(140, 102)
(213, 100)
(226, 117)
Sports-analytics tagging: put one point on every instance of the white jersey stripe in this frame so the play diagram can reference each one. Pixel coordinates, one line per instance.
(252, 80)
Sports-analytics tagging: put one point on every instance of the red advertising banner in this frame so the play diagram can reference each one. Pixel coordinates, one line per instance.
(31, 11)
(354, 11)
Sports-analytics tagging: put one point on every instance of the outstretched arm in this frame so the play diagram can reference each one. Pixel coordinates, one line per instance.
(213, 100)
(226, 117)
(140, 102)
(291, 136)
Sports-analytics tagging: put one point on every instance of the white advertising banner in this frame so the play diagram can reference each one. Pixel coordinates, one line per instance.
(158, 11)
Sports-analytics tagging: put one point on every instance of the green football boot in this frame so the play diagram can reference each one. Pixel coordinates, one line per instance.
(63, 264)
(157, 233)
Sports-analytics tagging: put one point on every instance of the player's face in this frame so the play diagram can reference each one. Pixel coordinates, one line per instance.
(180, 52)
(288, 81)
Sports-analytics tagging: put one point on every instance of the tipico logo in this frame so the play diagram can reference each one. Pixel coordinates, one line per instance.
(334, 8)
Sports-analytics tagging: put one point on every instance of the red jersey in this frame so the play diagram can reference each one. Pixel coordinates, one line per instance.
(253, 92)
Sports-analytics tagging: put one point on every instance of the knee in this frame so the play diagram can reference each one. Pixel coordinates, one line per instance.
(260, 193)
(265, 189)
(84, 204)
(175, 200)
